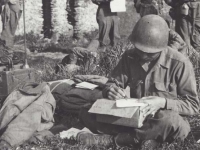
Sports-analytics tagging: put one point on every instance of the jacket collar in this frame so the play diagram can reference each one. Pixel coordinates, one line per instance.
(164, 59)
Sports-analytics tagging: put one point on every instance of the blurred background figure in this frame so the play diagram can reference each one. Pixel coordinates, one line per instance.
(186, 14)
(10, 13)
(145, 7)
(108, 23)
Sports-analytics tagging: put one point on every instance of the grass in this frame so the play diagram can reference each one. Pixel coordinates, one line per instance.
(103, 66)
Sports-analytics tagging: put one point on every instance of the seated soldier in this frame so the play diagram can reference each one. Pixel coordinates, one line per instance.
(157, 75)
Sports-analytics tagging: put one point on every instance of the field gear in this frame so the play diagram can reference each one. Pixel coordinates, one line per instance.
(72, 99)
(150, 34)
(108, 23)
(14, 78)
(25, 111)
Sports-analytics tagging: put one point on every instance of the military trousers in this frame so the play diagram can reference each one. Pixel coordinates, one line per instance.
(189, 33)
(108, 30)
(9, 27)
(165, 126)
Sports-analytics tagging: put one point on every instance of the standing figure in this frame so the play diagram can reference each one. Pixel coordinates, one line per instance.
(108, 23)
(10, 16)
(186, 14)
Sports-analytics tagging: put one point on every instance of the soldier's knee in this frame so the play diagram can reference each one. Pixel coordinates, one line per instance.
(175, 124)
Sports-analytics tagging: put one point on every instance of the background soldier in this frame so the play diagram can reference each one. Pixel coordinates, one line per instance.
(10, 16)
(108, 23)
(186, 14)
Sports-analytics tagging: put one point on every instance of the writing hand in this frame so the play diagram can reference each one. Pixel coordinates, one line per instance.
(115, 93)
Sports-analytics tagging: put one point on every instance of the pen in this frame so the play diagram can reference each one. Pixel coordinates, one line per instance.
(118, 85)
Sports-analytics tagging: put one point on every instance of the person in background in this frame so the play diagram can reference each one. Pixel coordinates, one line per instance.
(186, 14)
(108, 23)
(10, 15)
(157, 75)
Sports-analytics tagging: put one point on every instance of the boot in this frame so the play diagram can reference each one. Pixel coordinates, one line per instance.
(126, 139)
(90, 139)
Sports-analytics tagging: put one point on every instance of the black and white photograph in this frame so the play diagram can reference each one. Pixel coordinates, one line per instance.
(99, 74)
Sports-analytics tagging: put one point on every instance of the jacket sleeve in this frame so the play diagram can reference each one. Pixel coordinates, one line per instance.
(188, 102)
(119, 74)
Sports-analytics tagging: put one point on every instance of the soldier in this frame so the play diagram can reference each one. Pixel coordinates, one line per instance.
(10, 17)
(145, 7)
(159, 76)
(108, 23)
(186, 14)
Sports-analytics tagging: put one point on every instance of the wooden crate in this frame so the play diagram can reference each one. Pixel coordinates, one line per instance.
(10, 80)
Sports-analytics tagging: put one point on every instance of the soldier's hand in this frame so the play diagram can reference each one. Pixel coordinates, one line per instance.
(154, 104)
(115, 93)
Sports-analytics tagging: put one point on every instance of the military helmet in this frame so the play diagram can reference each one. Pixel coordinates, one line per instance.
(150, 34)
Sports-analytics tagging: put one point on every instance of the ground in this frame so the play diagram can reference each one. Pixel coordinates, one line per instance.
(44, 56)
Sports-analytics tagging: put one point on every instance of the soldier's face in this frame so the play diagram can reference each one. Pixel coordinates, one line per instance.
(147, 57)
